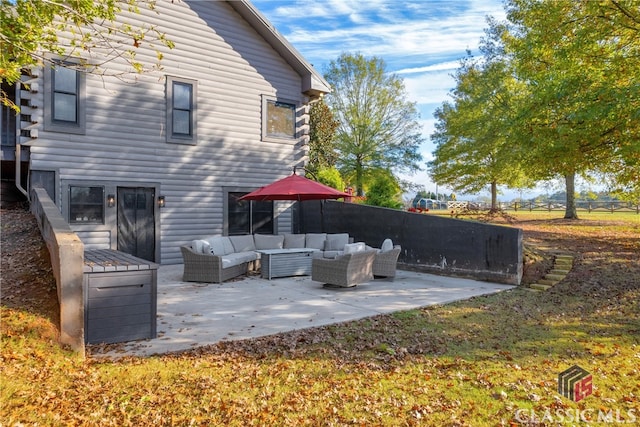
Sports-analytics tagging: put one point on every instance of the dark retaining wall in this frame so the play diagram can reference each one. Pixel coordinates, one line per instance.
(429, 243)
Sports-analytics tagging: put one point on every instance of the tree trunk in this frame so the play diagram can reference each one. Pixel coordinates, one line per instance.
(570, 184)
(494, 196)
(359, 179)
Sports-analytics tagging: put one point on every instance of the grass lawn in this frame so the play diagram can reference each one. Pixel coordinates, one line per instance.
(486, 361)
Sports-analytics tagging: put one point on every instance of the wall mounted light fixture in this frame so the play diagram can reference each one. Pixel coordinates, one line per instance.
(111, 200)
(161, 201)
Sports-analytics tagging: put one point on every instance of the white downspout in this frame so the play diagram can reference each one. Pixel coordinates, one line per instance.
(19, 170)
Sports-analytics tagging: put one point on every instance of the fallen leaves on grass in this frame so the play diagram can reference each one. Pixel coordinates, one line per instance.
(471, 363)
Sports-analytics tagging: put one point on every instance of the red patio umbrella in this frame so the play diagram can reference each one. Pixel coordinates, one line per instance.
(294, 187)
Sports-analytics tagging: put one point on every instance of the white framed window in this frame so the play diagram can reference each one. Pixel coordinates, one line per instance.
(64, 100)
(182, 110)
(278, 119)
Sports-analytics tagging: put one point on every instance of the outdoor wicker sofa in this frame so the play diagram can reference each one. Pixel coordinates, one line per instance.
(199, 267)
(215, 259)
(346, 270)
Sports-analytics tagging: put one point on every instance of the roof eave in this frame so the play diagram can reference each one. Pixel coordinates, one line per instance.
(313, 84)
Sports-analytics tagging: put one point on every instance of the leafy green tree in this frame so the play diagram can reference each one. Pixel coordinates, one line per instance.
(331, 177)
(473, 133)
(322, 134)
(580, 62)
(29, 28)
(384, 191)
(378, 127)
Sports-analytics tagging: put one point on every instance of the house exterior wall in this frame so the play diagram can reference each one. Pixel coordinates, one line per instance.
(124, 143)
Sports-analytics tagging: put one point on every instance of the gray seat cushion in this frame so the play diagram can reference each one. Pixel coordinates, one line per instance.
(330, 254)
(315, 241)
(238, 258)
(243, 243)
(264, 241)
(294, 241)
(336, 242)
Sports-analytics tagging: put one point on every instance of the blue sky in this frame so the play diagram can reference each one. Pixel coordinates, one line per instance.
(421, 41)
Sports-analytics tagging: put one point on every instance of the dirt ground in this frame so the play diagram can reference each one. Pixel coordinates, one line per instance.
(26, 278)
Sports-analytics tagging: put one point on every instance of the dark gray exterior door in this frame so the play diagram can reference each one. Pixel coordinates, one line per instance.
(136, 222)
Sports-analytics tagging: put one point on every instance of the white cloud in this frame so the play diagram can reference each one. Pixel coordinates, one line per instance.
(448, 66)
(398, 42)
(397, 31)
(429, 88)
(422, 41)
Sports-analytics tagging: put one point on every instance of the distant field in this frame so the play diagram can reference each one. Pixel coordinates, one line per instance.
(524, 215)
(594, 215)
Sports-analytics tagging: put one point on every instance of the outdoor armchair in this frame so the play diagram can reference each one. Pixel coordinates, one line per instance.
(344, 271)
(384, 264)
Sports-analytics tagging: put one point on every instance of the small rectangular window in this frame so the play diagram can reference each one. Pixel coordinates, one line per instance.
(181, 110)
(86, 205)
(65, 94)
(281, 119)
(64, 103)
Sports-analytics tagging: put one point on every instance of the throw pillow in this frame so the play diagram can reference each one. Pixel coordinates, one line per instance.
(217, 245)
(387, 245)
(351, 248)
(196, 245)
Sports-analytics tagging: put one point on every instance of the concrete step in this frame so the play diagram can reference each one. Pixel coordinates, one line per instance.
(563, 266)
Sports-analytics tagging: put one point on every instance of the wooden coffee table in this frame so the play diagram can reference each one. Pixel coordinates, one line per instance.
(285, 262)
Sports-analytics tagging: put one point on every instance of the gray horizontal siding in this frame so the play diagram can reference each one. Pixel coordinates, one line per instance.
(95, 239)
(125, 141)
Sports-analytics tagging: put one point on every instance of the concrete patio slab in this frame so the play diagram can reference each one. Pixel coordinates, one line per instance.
(197, 314)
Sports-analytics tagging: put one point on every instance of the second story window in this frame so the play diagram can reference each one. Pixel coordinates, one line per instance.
(65, 95)
(181, 110)
(64, 101)
(278, 120)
